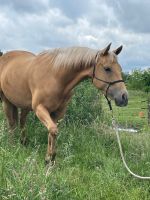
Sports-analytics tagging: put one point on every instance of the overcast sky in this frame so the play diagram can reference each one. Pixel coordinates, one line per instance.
(36, 25)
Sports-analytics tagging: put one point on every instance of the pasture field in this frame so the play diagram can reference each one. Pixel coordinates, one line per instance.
(88, 165)
(129, 117)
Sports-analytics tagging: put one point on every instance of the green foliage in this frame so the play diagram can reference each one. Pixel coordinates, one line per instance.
(88, 164)
(85, 105)
(138, 80)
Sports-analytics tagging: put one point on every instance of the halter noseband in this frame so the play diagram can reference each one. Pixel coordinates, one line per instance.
(109, 84)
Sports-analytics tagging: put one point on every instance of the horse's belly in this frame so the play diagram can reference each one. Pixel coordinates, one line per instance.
(18, 100)
(17, 92)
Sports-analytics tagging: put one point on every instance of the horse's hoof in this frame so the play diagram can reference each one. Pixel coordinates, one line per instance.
(46, 162)
(24, 141)
(53, 163)
(49, 162)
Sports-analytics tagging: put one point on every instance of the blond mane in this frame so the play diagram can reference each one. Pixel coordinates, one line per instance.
(69, 58)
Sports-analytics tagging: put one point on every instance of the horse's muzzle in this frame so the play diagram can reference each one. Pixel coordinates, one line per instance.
(122, 99)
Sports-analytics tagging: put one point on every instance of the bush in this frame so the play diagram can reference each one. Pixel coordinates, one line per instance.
(85, 105)
(138, 80)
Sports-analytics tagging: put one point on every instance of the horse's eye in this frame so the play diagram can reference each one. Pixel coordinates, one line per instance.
(107, 69)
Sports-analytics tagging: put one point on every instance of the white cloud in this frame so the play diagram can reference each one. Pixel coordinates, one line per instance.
(38, 25)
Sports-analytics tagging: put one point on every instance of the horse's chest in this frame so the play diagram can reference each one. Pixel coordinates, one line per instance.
(61, 103)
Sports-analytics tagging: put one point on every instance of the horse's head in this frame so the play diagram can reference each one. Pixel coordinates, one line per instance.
(107, 76)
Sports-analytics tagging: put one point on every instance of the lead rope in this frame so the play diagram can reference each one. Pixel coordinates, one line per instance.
(114, 124)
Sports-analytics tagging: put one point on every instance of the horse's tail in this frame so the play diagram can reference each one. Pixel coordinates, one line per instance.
(1, 53)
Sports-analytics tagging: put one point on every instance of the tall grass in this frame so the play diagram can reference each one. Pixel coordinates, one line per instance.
(88, 163)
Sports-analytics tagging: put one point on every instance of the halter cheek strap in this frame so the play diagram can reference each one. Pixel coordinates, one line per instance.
(109, 84)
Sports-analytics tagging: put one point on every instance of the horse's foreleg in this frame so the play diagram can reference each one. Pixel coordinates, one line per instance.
(44, 116)
(23, 116)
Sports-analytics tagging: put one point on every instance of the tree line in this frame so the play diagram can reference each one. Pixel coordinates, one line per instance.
(138, 80)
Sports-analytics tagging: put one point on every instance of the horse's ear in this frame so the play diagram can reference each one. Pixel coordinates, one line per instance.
(104, 52)
(118, 50)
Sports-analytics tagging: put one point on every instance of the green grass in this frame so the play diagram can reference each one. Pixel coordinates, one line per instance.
(129, 116)
(88, 163)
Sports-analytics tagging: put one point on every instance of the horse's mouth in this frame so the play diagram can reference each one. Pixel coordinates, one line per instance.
(122, 102)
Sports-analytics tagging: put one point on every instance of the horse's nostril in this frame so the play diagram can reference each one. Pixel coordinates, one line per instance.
(124, 97)
(122, 100)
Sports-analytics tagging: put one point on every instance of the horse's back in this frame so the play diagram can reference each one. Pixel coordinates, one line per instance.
(11, 56)
(17, 53)
(14, 67)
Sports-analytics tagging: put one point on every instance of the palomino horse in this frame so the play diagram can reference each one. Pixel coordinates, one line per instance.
(43, 83)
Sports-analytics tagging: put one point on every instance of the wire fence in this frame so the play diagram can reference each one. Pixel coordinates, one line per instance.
(136, 114)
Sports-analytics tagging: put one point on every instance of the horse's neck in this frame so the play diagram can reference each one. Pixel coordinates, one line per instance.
(71, 80)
